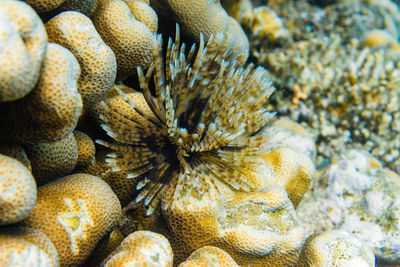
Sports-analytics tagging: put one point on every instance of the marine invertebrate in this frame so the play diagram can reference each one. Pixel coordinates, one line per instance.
(22, 246)
(141, 248)
(50, 161)
(51, 111)
(355, 194)
(75, 212)
(76, 32)
(335, 248)
(23, 42)
(86, 149)
(208, 255)
(129, 38)
(207, 17)
(205, 115)
(17, 191)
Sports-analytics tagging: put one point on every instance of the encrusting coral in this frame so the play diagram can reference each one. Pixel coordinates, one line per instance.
(207, 256)
(204, 117)
(23, 42)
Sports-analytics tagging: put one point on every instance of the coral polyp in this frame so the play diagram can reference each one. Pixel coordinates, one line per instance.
(205, 113)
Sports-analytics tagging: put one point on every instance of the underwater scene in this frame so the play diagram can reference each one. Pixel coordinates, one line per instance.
(200, 133)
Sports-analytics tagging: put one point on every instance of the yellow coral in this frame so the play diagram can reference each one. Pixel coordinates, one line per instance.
(52, 160)
(130, 39)
(76, 32)
(21, 246)
(17, 191)
(23, 42)
(75, 212)
(51, 111)
(209, 256)
(141, 248)
(86, 149)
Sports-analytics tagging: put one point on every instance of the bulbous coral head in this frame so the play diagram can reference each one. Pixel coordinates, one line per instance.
(206, 111)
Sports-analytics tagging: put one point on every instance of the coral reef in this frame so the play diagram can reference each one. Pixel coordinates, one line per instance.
(355, 194)
(207, 256)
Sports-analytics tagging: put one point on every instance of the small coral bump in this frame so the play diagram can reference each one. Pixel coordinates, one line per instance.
(207, 256)
(335, 248)
(141, 248)
(22, 246)
(17, 191)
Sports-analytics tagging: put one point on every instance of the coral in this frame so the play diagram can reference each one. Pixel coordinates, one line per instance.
(209, 18)
(255, 228)
(84, 6)
(335, 248)
(141, 248)
(237, 8)
(130, 39)
(86, 149)
(50, 112)
(355, 194)
(75, 212)
(21, 246)
(209, 256)
(53, 160)
(378, 37)
(263, 22)
(76, 32)
(23, 42)
(186, 136)
(345, 92)
(17, 191)
(17, 152)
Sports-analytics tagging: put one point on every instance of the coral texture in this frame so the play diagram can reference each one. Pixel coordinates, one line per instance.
(75, 212)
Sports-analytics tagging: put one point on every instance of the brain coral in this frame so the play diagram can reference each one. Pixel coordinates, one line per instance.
(23, 42)
(203, 121)
(51, 111)
(75, 212)
(76, 32)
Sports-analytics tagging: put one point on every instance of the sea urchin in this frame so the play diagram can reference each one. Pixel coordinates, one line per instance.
(206, 111)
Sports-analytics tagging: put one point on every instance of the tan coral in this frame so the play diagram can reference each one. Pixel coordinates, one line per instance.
(76, 32)
(207, 17)
(335, 248)
(23, 42)
(75, 212)
(51, 111)
(52, 160)
(209, 256)
(17, 191)
(256, 228)
(130, 39)
(144, 13)
(21, 246)
(378, 37)
(84, 6)
(289, 169)
(17, 152)
(86, 149)
(141, 248)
